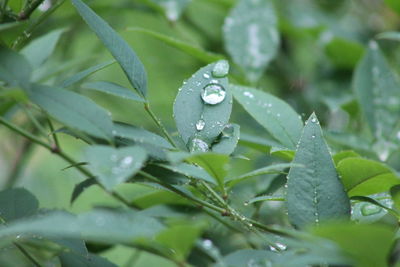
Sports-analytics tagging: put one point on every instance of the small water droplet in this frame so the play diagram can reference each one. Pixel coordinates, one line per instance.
(114, 132)
(248, 94)
(198, 145)
(221, 69)
(373, 45)
(206, 75)
(281, 246)
(246, 203)
(313, 136)
(213, 94)
(278, 114)
(370, 209)
(126, 161)
(314, 120)
(207, 244)
(200, 125)
(398, 135)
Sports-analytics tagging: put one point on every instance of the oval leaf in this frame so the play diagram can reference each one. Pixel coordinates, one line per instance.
(251, 36)
(275, 115)
(314, 191)
(73, 109)
(114, 166)
(17, 203)
(121, 51)
(193, 116)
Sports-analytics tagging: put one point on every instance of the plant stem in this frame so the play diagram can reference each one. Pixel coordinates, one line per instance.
(56, 142)
(159, 124)
(26, 254)
(28, 9)
(63, 155)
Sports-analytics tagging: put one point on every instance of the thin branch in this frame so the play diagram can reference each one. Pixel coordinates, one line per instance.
(28, 9)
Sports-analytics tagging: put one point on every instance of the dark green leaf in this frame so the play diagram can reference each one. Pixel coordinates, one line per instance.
(197, 120)
(69, 259)
(314, 191)
(228, 140)
(79, 188)
(41, 48)
(121, 51)
(215, 164)
(190, 49)
(395, 194)
(344, 53)
(251, 36)
(73, 109)
(17, 203)
(15, 69)
(281, 121)
(85, 73)
(114, 166)
(113, 89)
(365, 177)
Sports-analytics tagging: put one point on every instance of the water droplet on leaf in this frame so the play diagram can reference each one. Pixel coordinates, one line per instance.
(205, 75)
(221, 69)
(200, 125)
(198, 145)
(213, 94)
(370, 209)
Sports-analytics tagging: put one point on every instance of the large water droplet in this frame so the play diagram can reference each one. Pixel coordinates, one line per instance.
(221, 69)
(200, 125)
(213, 94)
(198, 145)
(370, 209)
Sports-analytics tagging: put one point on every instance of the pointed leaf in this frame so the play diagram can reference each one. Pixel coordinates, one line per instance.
(14, 68)
(73, 109)
(314, 191)
(190, 170)
(378, 92)
(215, 164)
(190, 49)
(228, 140)
(196, 119)
(79, 188)
(113, 89)
(41, 48)
(251, 36)
(363, 177)
(85, 73)
(114, 166)
(275, 115)
(17, 203)
(121, 51)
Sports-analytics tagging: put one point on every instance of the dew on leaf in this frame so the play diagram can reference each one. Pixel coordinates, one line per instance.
(213, 94)
(198, 145)
(205, 75)
(221, 69)
(370, 209)
(248, 94)
(200, 125)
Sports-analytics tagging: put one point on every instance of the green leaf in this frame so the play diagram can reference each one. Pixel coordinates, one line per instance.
(356, 240)
(251, 36)
(70, 259)
(344, 53)
(195, 118)
(139, 135)
(190, 170)
(250, 257)
(73, 109)
(85, 73)
(395, 194)
(314, 191)
(172, 8)
(41, 48)
(113, 89)
(80, 188)
(276, 168)
(228, 140)
(375, 203)
(364, 177)
(215, 164)
(265, 198)
(121, 51)
(15, 69)
(344, 155)
(190, 49)
(97, 225)
(378, 93)
(393, 4)
(17, 203)
(393, 36)
(114, 166)
(275, 115)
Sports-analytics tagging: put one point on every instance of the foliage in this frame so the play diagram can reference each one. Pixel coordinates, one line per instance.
(281, 146)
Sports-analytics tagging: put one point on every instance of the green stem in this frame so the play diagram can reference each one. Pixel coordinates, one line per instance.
(28, 9)
(26, 254)
(159, 124)
(55, 138)
(63, 155)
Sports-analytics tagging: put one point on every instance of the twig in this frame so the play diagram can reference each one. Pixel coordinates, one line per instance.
(28, 9)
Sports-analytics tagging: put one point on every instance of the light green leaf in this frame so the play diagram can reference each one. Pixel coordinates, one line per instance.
(121, 51)
(41, 48)
(393, 4)
(378, 92)
(203, 106)
(139, 135)
(265, 198)
(15, 69)
(17, 203)
(190, 49)
(73, 109)
(97, 225)
(362, 177)
(215, 164)
(113, 89)
(394, 36)
(85, 73)
(114, 166)
(228, 140)
(314, 191)
(251, 36)
(344, 53)
(275, 115)
(344, 155)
